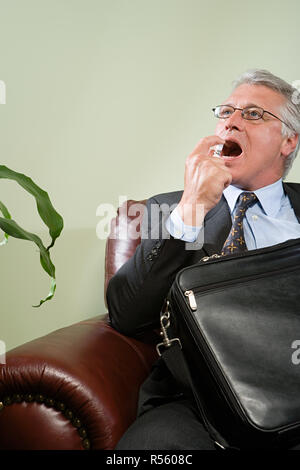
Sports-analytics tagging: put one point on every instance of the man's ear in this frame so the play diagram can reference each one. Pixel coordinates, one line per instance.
(289, 144)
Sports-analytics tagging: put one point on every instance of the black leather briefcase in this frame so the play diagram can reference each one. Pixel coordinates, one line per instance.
(237, 319)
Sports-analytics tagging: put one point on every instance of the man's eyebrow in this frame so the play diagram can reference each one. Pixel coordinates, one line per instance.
(248, 105)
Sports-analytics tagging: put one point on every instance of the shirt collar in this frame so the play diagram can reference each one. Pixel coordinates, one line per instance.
(270, 197)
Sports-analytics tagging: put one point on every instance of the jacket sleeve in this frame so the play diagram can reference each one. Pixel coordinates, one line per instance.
(135, 294)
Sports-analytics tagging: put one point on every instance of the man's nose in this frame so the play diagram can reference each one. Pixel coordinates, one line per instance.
(235, 121)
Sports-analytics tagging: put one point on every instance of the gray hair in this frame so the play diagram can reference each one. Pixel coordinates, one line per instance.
(290, 111)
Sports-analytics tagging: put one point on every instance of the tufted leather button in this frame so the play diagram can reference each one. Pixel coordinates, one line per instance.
(60, 406)
(7, 401)
(86, 444)
(17, 398)
(68, 414)
(29, 397)
(76, 422)
(49, 402)
(82, 432)
(39, 398)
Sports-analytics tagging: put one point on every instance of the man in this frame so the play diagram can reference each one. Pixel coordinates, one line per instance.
(258, 128)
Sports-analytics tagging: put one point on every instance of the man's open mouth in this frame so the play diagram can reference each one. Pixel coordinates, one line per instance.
(231, 149)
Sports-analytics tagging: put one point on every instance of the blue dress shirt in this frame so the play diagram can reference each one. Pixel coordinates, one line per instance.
(269, 221)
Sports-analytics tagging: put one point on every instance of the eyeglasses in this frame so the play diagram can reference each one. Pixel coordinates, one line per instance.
(252, 113)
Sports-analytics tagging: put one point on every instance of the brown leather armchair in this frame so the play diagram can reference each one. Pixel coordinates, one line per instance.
(77, 387)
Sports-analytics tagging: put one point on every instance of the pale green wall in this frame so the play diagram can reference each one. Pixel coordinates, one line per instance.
(107, 98)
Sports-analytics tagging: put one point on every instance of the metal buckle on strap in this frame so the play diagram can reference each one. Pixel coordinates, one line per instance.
(165, 323)
(219, 445)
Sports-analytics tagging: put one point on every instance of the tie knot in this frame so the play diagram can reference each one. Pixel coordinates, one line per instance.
(246, 200)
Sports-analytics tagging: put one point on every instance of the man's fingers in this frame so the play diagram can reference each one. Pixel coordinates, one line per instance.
(204, 145)
(197, 159)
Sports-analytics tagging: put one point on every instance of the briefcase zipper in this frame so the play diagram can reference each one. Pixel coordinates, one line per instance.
(214, 256)
(243, 254)
(191, 298)
(190, 294)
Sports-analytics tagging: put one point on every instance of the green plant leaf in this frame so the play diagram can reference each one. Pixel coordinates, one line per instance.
(10, 227)
(51, 293)
(48, 214)
(7, 215)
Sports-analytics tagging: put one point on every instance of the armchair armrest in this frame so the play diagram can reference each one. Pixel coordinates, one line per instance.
(75, 388)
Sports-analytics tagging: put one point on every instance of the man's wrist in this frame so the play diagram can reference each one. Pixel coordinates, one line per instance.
(178, 229)
(191, 213)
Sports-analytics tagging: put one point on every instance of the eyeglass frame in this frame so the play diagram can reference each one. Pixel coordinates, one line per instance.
(248, 107)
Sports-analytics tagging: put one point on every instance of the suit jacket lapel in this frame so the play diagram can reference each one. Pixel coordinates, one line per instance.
(293, 190)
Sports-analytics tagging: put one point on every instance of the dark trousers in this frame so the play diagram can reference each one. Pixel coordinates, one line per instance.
(172, 426)
(166, 420)
(169, 426)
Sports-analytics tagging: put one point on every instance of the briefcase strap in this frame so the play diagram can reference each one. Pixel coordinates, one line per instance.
(177, 365)
(170, 351)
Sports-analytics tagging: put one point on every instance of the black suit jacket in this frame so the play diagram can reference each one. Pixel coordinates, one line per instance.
(137, 291)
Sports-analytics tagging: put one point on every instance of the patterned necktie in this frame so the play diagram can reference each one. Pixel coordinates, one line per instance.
(235, 242)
